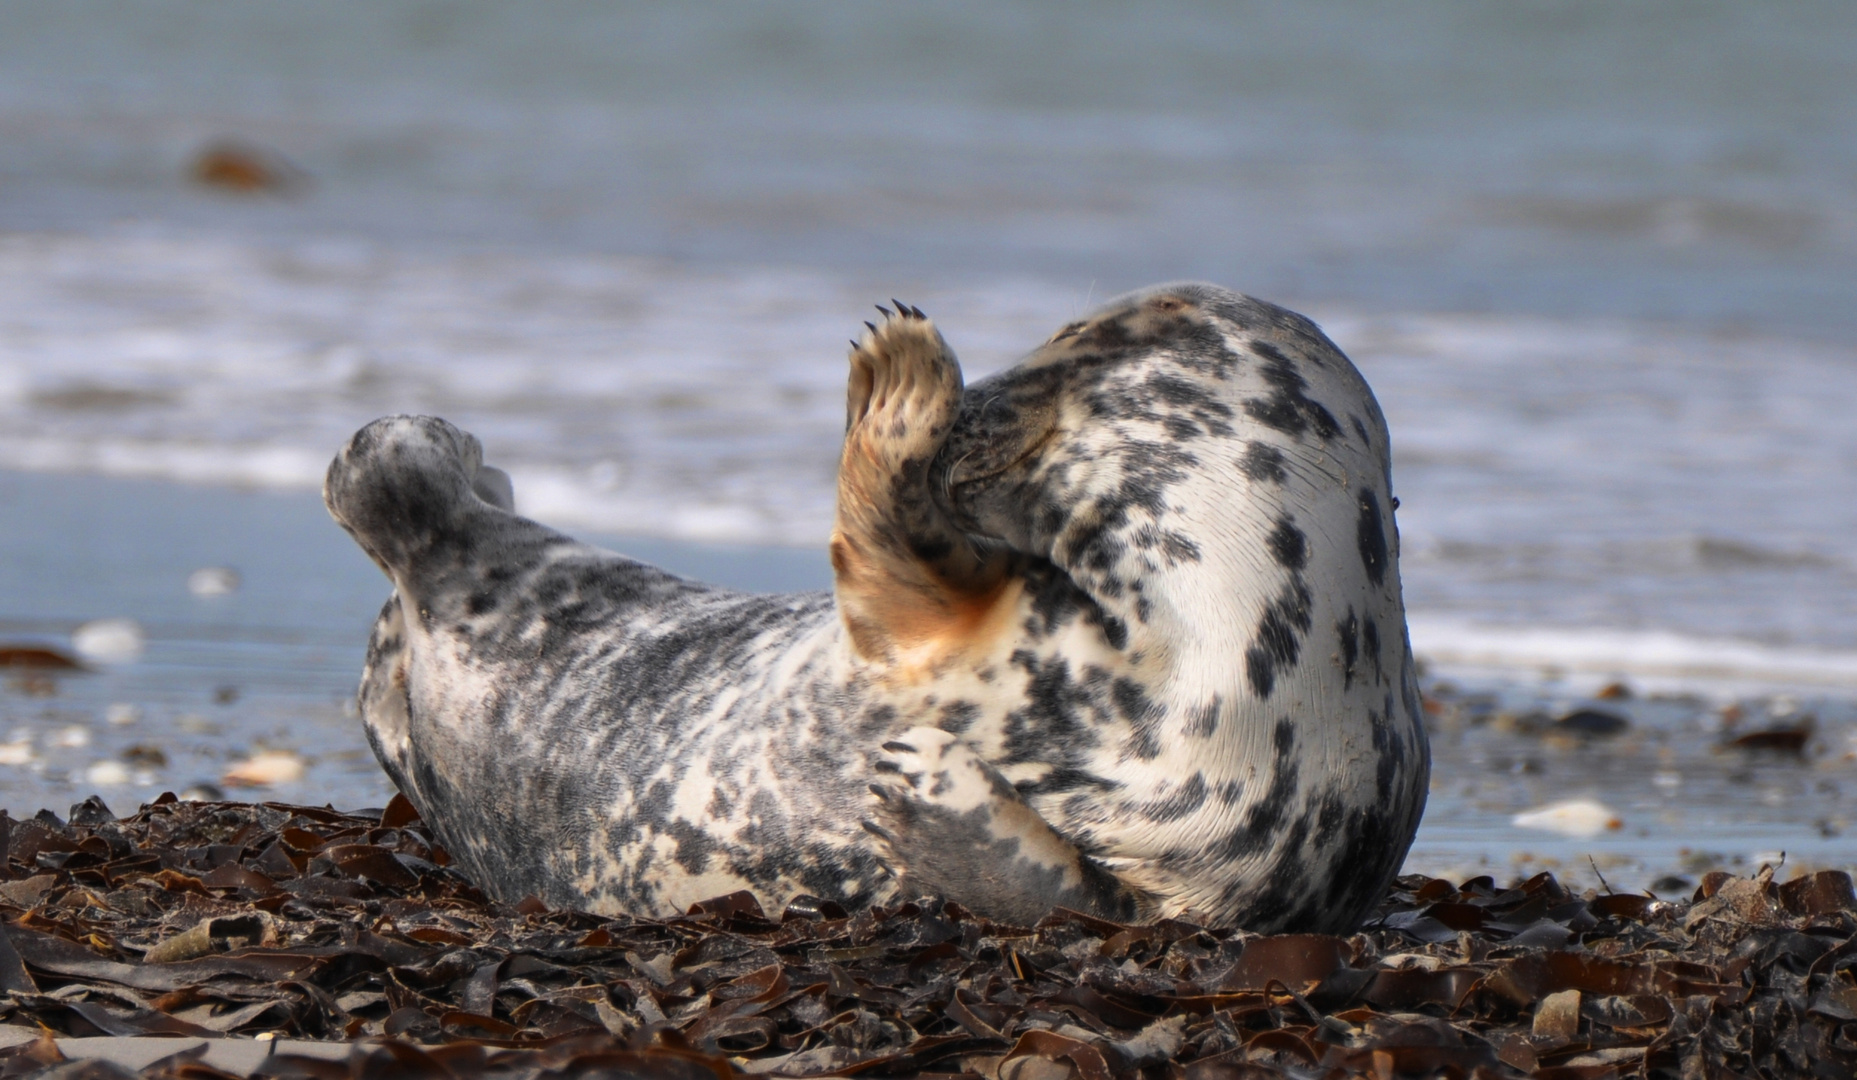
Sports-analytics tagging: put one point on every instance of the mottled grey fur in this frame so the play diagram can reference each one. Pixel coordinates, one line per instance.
(1119, 629)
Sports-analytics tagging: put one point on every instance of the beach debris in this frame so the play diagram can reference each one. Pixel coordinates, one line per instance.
(241, 167)
(215, 934)
(17, 752)
(216, 919)
(266, 768)
(1557, 1018)
(72, 737)
(107, 774)
(225, 695)
(37, 658)
(109, 641)
(152, 757)
(1591, 723)
(1786, 738)
(122, 714)
(209, 581)
(1570, 817)
(1614, 691)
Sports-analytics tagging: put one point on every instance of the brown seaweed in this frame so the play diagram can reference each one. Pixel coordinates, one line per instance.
(215, 919)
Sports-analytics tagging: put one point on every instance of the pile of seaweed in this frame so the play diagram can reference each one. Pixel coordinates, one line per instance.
(209, 919)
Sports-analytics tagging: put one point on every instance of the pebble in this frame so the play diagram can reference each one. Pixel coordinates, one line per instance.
(1592, 722)
(240, 167)
(122, 714)
(107, 774)
(72, 738)
(18, 752)
(265, 769)
(109, 641)
(213, 581)
(1570, 817)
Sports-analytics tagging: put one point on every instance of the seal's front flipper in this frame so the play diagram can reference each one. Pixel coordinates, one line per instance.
(947, 822)
(906, 576)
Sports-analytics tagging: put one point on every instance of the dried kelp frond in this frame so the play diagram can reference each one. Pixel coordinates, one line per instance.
(212, 919)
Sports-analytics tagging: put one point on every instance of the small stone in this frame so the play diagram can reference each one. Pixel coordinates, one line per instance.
(18, 752)
(213, 581)
(109, 641)
(203, 793)
(1592, 723)
(266, 768)
(1557, 1018)
(143, 754)
(234, 166)
(107, 774)
(1570, 817)
(74, 737)
(122, 714)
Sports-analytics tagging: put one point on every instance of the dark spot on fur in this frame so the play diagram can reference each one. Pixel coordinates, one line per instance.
(1288, 545)
(1371, 536)
(1143, 715)
(1265, 816)
(1277, 644)
(1389, 750)
(1176, 804)
(1205, 719)
(1347, 632)
(693, 845)
(931, 549)
(1058, 722)
(1370, 638)
(958, 716)
(1060, 780)
(1262, 462)
(1288, 409)
(1360, 429)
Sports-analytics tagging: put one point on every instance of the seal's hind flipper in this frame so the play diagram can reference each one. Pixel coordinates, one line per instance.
(409, 487)
(906, 576)
(946, 822)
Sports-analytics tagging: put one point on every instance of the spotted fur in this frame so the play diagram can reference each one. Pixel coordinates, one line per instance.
(1118, 628)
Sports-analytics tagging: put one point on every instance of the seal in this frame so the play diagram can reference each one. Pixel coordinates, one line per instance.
(1118, 629)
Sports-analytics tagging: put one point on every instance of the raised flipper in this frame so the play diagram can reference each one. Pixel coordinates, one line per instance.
(909, 582)
(946, 822)
(404, 484)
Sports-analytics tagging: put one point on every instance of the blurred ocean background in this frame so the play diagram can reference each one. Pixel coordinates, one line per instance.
(1598, 260)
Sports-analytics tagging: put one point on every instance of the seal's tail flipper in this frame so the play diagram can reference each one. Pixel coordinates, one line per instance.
(905, 574)
(405, 485)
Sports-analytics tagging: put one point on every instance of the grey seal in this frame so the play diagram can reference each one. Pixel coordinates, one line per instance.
(1118, 629)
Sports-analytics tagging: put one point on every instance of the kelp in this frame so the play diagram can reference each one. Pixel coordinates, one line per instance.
(216, 919)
